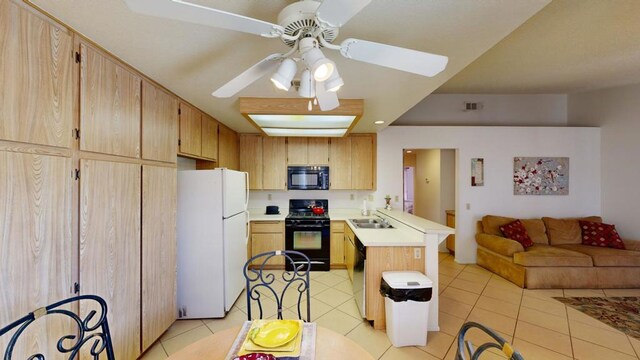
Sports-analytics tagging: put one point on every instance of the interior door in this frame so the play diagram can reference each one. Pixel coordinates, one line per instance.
(236, 237)
(235, 192)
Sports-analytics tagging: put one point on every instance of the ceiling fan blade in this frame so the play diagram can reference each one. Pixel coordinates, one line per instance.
(413, 61)
(335, 13)
(263, 67)
(327, 100)
(198, 14)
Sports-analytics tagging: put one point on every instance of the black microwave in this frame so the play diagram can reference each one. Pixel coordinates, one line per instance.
(308, 178)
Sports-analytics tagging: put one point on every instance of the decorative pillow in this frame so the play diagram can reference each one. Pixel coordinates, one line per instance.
(599, 234)
(516, 231)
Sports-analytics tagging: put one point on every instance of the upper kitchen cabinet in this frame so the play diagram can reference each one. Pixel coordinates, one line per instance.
(159, 124)
(190, 142)
(109, 105)
(363, 161)
(251, 159)
(340, 163)
(307, 151)
(209, 137)
(228, 148)
(36, 79)
(274, 160)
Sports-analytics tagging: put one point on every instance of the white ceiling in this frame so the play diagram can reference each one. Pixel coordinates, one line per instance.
(569, 46)
(193, 60)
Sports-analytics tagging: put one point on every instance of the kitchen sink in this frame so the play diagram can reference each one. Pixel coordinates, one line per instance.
(371, 224)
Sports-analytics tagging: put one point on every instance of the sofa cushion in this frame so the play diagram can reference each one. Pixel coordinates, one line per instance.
(535, 227)
(516, 231)
(498, 244)
(566, 231)
(607, 256)
(600, 234)
(545, 255)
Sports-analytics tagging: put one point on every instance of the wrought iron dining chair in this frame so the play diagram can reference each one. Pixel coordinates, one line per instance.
(475, 354)
(261, 283)
(91, 328)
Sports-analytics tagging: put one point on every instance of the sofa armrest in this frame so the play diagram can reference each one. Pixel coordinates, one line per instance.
(632, 245)
(498, 244)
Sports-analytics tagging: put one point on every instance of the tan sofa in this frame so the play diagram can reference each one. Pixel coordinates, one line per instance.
(557, 259)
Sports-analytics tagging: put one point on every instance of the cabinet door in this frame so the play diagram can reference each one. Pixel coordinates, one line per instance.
(318, 149)
(274, 158)
(228, 151)
(36, 79)
(297, 151)
(340, 163)
(251, 159)
(159, 251)
(190, 130)
(109, 106)
(209, 137)
(35, 244)
(159, 124)
(110, 247)
(362, 160)
(337, 248)
(263, 242)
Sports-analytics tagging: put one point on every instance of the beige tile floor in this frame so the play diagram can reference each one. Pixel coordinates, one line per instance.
(538, 326)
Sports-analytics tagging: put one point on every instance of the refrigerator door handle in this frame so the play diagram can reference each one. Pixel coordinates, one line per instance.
(248, 228)
(246, 198)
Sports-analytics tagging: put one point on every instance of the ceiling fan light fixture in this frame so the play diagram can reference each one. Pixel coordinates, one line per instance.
(320, 66)
(307, 87)
(334, 82)
(284, 75)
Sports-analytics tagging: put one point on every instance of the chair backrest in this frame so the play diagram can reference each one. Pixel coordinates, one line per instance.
(90, 329)
(261, 283)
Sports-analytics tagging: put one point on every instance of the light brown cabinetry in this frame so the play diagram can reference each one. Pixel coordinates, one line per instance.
(268, 236)
(36, 72)
(159, 124)
(159, 251)
(228, 149)
(363, 162)
(109, 105)
(35, 233)
(349, 250)
(110, 247)
(251, 159)
(209, 137)
(318, 150)
(274, 160)
(451, 239)
(297, 151)
(337, 243)
(340, 163)
(190, 141)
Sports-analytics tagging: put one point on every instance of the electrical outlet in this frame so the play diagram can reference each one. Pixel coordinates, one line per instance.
(351, 196)
(468, 206)
(269, 197)
(417, 253)
(396, 198)
(370, 197)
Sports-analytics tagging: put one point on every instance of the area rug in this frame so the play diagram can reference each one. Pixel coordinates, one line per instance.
(622, 313)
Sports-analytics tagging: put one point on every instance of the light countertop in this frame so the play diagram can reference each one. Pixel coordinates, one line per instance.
(259, 215)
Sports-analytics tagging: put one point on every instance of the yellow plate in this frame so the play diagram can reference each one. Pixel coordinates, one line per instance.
(274, 333)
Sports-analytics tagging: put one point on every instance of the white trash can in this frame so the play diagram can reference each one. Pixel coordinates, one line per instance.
(406, 305)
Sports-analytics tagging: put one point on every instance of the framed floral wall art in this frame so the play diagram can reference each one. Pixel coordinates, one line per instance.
(541, 176)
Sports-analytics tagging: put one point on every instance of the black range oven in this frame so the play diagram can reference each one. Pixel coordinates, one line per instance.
(309, 233)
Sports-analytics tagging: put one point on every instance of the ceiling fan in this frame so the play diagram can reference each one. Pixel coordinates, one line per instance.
(305, 26)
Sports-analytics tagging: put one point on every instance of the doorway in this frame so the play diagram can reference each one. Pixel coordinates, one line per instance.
(429, 180)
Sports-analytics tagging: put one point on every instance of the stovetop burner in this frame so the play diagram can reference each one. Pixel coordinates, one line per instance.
(306, 215)
(301, 209)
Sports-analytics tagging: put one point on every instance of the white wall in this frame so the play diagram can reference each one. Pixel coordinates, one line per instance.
(186, 164)
(617, 112)
(498, 110)
(498, 146)
(447, 182)
(338, 199)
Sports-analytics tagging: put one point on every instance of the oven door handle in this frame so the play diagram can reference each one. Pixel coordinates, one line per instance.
(307, 226)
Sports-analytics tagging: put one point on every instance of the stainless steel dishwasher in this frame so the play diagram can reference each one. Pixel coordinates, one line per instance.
(359, 266)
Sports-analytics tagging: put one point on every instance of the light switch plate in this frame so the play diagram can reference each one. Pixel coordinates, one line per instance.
(370, 197)
(417, 253)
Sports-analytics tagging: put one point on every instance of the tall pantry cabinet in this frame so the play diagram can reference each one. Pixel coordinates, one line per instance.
(87, 183)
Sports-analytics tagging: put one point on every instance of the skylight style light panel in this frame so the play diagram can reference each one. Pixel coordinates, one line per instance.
(303, 121)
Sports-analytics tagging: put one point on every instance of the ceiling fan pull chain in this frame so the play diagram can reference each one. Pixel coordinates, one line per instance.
(309, 107)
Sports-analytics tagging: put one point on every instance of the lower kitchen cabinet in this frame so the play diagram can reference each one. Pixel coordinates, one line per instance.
(268, 236)
(159, 251)
(337, 244)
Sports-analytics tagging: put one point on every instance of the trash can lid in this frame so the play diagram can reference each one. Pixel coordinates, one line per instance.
(406, 279)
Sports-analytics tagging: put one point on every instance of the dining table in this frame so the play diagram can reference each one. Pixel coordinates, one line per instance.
(330, 345)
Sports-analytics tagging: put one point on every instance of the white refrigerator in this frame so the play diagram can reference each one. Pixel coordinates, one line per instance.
(213, 232)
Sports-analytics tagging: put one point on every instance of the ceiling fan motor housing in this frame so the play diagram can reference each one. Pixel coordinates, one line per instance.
(300, 17)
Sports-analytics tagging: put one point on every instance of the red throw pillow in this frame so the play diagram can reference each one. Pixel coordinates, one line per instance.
(599, 234)
(516, 231)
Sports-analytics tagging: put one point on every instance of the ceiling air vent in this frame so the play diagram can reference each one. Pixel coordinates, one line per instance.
(472, 106)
